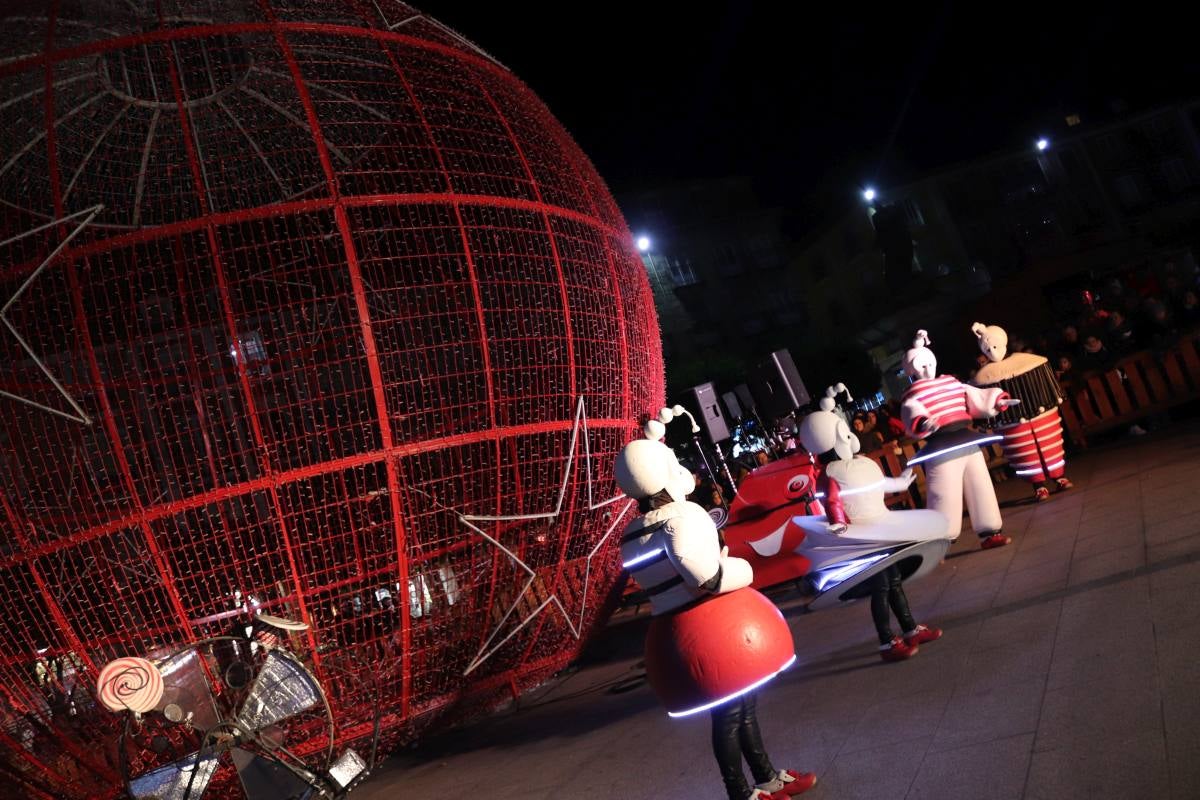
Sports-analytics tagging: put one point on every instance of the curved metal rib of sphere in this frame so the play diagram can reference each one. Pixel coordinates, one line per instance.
(353, 340)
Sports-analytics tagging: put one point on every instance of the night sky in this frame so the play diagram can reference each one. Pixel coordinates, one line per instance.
(812, 98)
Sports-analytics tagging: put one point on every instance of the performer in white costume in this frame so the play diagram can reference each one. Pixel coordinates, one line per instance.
(1033, 435)
(713, 641)
(855, 511)
(939, 409)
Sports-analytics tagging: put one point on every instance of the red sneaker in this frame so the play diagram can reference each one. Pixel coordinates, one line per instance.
(788, 782)
(922, 634)
(995, 540)
(760, 794)
(1064, 483)
(897, 650)
(1041, 494)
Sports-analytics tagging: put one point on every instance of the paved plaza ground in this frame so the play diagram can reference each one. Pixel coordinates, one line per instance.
(1070, 668)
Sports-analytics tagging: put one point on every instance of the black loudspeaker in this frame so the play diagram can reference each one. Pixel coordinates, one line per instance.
(777, 385)
(711, 419)
(732, 406)
(742, 391)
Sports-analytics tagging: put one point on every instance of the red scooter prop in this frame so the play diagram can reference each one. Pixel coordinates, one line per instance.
(760, 527)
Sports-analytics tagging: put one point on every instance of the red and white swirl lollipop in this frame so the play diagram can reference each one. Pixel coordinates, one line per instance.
(130, 683)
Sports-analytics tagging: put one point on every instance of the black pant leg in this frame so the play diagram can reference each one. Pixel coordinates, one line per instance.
(880, 587)
(750, 739)
(726, 723)
(898, 600)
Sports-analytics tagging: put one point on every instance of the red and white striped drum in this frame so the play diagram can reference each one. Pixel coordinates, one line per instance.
(1033, 435)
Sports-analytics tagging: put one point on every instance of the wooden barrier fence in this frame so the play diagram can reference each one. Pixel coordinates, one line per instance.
(1137, 386)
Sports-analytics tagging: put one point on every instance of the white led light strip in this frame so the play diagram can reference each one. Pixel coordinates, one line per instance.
(924, 456)
(733, 696)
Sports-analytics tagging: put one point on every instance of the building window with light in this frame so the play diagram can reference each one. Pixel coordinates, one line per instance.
(1128, 190)
(1176, 174)
(913, 211)
(682, 272)
(727, 261)
(819, 266)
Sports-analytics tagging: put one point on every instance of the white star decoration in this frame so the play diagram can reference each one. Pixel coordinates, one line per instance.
(88, 214)
(487, 649)
(400, 23)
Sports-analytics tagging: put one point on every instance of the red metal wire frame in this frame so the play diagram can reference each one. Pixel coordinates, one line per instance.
(351, 282)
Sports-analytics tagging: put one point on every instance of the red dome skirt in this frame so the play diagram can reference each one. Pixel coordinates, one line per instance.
(715, 650)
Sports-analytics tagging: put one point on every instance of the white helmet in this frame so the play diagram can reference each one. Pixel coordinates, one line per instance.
(645, 467)
(993, 340)
(920, 362)
(824, 430)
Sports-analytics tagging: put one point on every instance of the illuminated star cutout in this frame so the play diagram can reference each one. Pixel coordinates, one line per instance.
(88, 214)
(487, 649)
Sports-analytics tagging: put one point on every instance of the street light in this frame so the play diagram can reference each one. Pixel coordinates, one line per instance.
(868, 194)
(1042, 144)
(643, 243)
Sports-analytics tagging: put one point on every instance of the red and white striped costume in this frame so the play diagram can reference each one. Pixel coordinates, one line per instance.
(955, 470)
(947, 401)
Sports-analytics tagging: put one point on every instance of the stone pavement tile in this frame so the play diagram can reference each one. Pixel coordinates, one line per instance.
(1165, 507)
(1112, 562)
(871, 774)
(1048, 548)
(1113, 539)
(1118, 653)
(988, 771)
(902, 716)
(1124, 598)
(932, 668)
(1033, 582)
(990, 669)
(684, 763)
(1108, 524)
(1185, 488)
(1176, 473)
(923, 595)
(1126, 768)
(1179, 671)
(1110, 506)
(1061, 509)
(1173, 549)
(1176, 608)
(971, 589)
(1175, 648)
(1018, 518)
(1182, 576)
(495, 772)
(971, 562)
(1173, 528)
(1026, 626)
(1039, 538)
(1115, 707)
(804, 745)
(997, 713)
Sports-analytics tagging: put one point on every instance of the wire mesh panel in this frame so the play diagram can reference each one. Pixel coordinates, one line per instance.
(307, 306)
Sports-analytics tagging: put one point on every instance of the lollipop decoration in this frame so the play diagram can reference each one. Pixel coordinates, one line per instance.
(130, 683)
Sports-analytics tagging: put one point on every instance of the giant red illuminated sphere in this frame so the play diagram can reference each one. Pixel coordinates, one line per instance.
(353, 337)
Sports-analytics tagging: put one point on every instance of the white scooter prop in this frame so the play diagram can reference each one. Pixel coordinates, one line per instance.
(876, 538)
